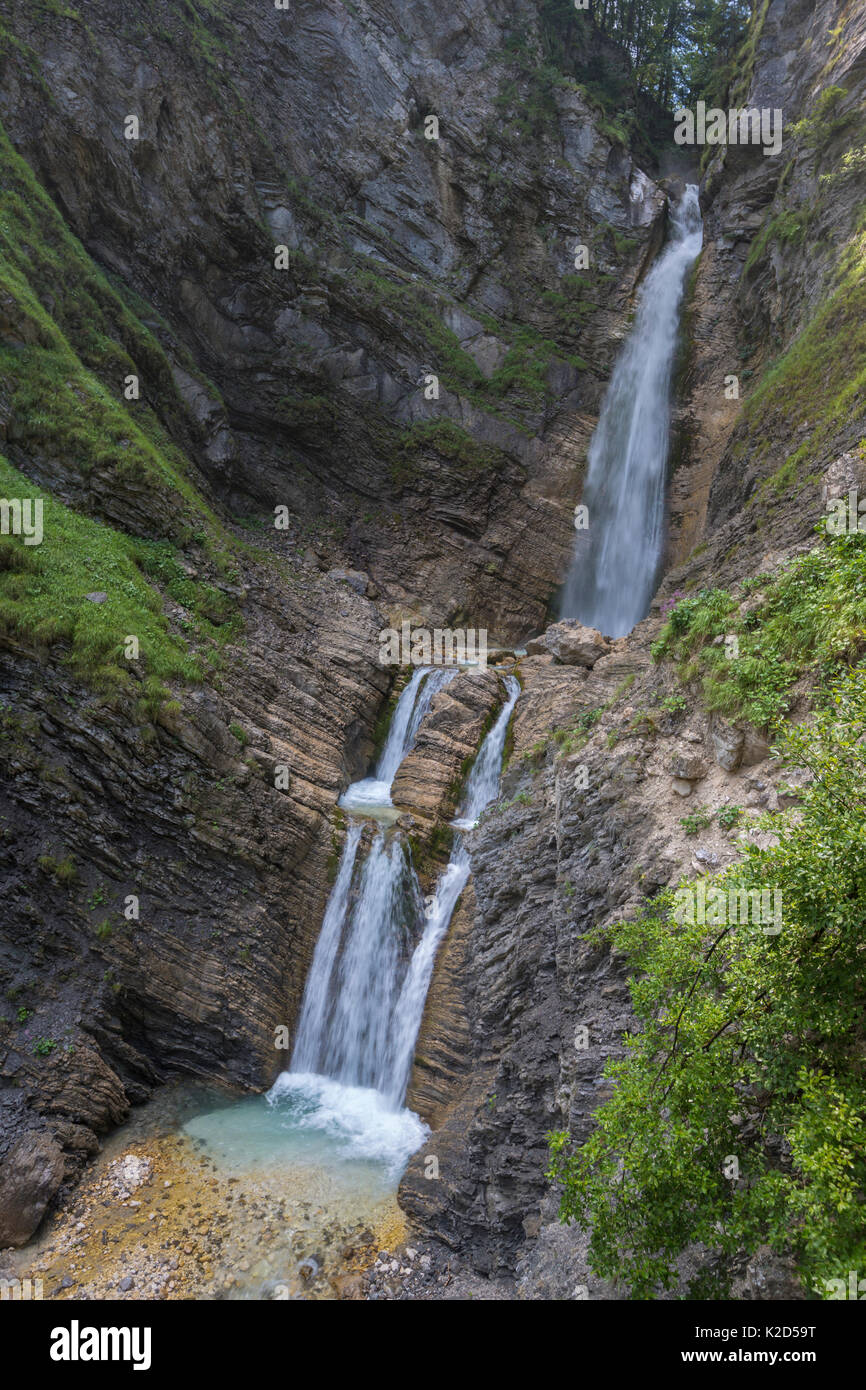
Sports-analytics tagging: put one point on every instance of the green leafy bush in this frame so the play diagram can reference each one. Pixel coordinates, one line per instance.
(738, 1117)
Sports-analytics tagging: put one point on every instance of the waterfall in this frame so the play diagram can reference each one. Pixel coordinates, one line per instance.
(311, 1024)
(348, 1035)
(483, 782)
(615, 565)
(481, 788)
(374, 958)
(405, 723)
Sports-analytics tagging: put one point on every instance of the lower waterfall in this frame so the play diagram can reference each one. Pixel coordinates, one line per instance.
(373, 962)
(333, 1135)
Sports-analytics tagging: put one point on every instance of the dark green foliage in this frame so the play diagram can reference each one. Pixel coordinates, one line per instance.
(738, 1114)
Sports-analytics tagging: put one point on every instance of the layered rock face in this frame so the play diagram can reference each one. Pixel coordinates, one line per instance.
(610, 759)
(289, 262)
(226, 860)
(430, 777)
(298, 262)
(776, 229)
(406, 258)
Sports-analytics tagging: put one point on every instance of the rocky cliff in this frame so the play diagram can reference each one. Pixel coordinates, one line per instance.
(232, 263)
(624, 777)
(317, 266)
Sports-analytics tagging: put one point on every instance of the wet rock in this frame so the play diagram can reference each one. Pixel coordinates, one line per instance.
(429, 779)
(31, 1172)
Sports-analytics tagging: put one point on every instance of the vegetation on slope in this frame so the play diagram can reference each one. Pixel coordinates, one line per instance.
(739, 1114)
(68, 343)
(802, 621)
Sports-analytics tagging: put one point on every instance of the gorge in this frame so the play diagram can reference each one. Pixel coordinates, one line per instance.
(385, 950)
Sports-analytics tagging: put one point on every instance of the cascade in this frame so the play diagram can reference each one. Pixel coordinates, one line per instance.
(614, 568)
(365, 992)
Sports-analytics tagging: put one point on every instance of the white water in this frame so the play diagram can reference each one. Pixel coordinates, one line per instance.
(334, 1125)
(349, 1037)
(375, 792)
(365, 993)
(615, 565)
(481, 788)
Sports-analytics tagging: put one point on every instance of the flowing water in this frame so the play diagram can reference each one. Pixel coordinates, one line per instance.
(614, 570)
(335, 1121)
(372, 796)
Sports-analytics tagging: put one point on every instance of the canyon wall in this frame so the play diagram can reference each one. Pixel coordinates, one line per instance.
(167, 387)
(609, 759)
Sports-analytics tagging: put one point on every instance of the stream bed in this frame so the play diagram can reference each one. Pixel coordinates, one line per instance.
(205, 1195)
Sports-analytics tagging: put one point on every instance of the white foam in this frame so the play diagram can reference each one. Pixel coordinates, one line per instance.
(356, 1119)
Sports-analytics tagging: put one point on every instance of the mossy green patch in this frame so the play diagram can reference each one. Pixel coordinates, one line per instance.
(747, 659)
(43, 599)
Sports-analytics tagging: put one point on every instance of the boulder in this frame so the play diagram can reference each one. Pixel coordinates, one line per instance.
(755, 748)
(688, 764)
(429, 779)
(571, 644)
(727, 744)
(31, 1173)
(356, 579)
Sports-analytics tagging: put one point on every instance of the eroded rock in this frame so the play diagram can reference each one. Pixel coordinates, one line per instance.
(31, 1172)
(571, 644)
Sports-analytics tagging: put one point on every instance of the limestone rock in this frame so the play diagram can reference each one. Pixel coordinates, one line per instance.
(30, 1174)
(727, 741)
(571, 644)
(688, 764)
(428, 781)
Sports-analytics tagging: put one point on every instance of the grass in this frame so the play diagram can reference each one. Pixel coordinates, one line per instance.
(812, 620)
(43, 588)
(63, 871)
(451, 441)
(71, 343)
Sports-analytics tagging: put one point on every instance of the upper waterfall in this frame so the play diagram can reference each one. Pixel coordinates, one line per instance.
(614, 569)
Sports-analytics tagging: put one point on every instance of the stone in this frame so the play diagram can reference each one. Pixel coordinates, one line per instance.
(756, 749)
(727, 741)
(356, 580)
(681, 786)
(129, 1172)
(96, 597)
(688, 765)
(31, 1172)
(571, 644)
(428, 780)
